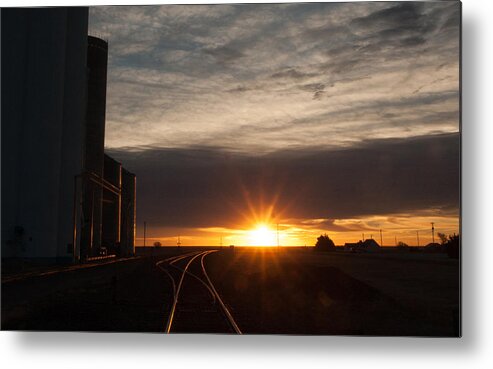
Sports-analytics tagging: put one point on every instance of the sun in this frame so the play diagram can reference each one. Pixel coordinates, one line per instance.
(262, 236)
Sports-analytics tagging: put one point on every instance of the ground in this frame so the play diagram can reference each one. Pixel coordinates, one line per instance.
(303, 292)
(127, 296)
(295, 291)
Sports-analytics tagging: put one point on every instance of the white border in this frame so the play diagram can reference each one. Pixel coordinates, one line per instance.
(475, 349)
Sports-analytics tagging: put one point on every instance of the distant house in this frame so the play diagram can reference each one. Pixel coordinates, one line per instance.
(368, 245)
(434, 247)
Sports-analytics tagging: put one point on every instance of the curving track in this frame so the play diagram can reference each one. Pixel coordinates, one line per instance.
(196, 306)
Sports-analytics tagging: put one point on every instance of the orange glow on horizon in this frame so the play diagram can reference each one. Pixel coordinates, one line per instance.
(304, 232)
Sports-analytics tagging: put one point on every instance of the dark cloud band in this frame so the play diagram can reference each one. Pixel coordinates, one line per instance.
(203, 187)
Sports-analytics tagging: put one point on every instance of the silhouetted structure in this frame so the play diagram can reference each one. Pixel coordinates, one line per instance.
(368, 245)
(61, 196)
(110, 234)
(434, 247)
(92, 190)
(43, 119)
(128, 216)
(102, 219)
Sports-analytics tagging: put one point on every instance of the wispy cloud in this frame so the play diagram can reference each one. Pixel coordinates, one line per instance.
(272, 77)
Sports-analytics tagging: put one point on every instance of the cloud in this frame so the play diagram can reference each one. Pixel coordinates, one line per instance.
(401, 18)
(271, 77)
(224, 54)
(293, 74)
(205, 187)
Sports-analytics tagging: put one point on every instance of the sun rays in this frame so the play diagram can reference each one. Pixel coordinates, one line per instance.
(262, 235)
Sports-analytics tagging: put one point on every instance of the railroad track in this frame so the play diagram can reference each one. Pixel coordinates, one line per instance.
(196, 306)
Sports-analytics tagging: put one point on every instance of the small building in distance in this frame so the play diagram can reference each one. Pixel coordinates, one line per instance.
(434, 247)
(368, 245)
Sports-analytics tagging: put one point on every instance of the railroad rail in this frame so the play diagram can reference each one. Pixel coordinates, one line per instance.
(168, 265)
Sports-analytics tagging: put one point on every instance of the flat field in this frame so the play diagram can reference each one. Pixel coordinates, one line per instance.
(304, 292)
(268, 291)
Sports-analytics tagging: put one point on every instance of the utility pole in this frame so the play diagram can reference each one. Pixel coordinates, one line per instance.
(278, 236)
(221, 242)
(178, 243)
(433, 232)
(363, 239)
(381, 238)
(145, 228)
(417, 236)
(396, 240)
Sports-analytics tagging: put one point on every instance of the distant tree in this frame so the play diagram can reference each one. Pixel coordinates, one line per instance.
(157, 244)
(402, 244)
(452, 246)
(442, 237)
(324, 243)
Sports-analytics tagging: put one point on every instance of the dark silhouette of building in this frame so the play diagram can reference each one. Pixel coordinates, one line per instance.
(92, 190)
(368, 245)
(43, 119)
(434, 247)
(61, 196)
(112, 205)
(128, 216)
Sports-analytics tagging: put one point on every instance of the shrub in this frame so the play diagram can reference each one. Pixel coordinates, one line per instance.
(452, 246)
(324, 243)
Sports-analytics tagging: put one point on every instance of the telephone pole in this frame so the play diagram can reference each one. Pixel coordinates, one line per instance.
(278, 236)
(381, 238)
(417, 236)
(433, 232)
(145, 228)
(178, 243)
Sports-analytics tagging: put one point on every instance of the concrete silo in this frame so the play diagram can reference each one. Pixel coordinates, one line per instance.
(111, 205)
(92, 209)
(128, 213)
(61, 196)
(118, 226)
(43, 118)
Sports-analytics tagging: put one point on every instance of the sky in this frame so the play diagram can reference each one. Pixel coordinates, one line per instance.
(338, 118)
